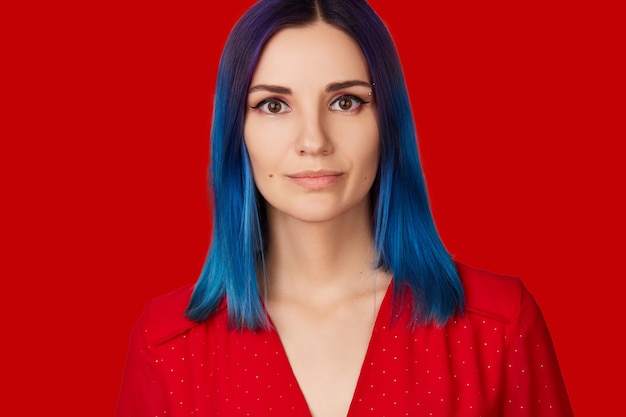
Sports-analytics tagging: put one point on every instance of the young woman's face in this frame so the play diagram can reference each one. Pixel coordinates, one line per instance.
(311, 128)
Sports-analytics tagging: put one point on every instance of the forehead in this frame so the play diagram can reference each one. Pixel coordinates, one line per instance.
(315, 52)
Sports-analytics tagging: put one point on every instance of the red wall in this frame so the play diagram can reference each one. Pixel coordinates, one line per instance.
(520, 113)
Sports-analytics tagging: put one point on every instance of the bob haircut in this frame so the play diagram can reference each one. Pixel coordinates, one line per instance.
(406, 241)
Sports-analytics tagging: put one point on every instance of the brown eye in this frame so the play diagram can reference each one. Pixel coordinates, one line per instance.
(345, 103)
(274, 106)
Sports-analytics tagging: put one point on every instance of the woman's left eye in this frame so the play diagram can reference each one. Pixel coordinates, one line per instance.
(347, 103)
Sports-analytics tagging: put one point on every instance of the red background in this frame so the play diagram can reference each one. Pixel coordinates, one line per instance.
(521, 118)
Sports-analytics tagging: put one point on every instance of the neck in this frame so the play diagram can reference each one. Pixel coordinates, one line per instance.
(320, 258)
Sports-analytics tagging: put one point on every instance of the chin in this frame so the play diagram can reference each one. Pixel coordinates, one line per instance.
(314, 216)
(318, 212)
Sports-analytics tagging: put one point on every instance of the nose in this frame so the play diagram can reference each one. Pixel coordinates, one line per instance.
(313, 138)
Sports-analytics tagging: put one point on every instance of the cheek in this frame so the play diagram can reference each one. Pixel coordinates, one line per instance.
(261, 166)
(371, 168)
(269, 147)
(368, 151)
(371, 162)
(254, 145)
(264, 160)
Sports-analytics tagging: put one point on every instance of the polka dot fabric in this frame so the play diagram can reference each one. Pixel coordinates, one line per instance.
(495, 360)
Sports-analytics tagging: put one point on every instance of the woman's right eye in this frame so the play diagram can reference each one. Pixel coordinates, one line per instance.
(272, 106)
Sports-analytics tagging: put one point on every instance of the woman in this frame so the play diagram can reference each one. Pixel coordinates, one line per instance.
(327, 291)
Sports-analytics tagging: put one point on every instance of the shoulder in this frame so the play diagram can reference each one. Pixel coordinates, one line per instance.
(497, 296)
(164, 317)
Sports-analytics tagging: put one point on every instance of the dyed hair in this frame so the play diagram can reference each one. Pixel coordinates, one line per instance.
(406, 241)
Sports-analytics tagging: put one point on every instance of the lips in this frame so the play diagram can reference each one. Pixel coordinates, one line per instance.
(316, 180)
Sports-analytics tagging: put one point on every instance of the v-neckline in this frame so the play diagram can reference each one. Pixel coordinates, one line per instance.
(382, 312)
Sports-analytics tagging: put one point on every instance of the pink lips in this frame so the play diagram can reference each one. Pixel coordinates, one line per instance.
(316, 180)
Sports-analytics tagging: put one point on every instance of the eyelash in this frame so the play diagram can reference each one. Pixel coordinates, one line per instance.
(267, 101)
(359, 102)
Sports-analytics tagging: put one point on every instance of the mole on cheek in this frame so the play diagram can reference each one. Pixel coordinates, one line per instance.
(271, 175)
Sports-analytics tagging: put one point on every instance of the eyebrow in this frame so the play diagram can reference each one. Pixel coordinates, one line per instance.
(334, 87)
(276, 89)
(330, 88)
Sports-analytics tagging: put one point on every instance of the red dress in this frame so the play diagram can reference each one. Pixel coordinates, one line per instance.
(495, 360)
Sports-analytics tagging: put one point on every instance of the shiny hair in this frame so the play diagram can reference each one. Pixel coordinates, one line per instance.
(406, 240)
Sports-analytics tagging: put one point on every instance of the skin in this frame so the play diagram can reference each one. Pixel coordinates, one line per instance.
(311, 132)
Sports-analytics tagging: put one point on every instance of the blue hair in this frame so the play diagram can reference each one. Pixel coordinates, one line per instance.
(406, 240)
